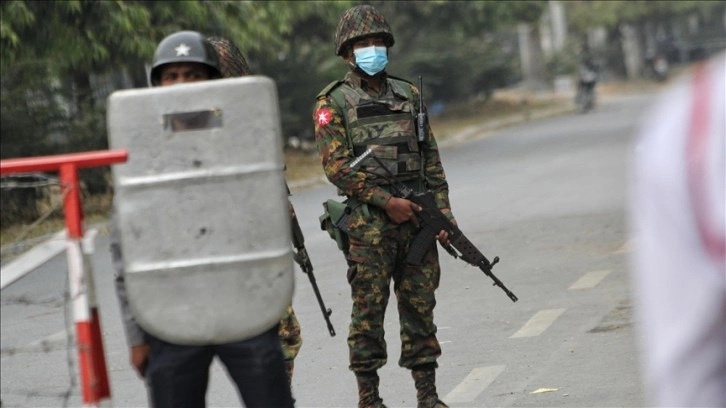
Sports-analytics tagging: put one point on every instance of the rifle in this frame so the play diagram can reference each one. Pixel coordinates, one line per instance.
(302, 259)
(433, 221)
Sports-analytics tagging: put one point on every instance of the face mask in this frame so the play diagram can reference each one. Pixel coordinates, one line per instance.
(371, 60)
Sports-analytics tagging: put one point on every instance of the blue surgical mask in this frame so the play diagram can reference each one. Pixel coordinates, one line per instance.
(371, 60)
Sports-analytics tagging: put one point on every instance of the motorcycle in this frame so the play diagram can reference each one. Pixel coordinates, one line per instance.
(657, 66)
(585, 95)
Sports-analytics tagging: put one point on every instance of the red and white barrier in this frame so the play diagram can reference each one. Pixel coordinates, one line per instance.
(92, 361)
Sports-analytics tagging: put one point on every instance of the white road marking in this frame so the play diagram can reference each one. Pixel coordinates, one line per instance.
(443, 328)
(474, 384)
(589, 280)
(538, 323)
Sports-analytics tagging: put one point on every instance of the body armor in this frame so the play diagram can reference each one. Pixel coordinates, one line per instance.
(386, 125)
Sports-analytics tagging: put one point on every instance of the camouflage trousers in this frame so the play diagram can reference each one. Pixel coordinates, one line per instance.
(376, 256)
(289, 333)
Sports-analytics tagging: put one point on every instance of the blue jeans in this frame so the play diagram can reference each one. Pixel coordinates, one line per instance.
(178, 375)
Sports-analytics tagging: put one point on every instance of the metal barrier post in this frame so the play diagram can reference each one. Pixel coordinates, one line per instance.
(92, 362)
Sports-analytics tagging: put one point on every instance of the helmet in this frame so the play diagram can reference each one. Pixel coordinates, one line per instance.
(358, 22)
(232, 62)
(184, 46)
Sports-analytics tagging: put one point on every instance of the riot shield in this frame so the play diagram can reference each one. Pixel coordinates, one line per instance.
(202, 208)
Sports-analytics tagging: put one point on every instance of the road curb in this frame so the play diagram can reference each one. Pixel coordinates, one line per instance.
(482, 130)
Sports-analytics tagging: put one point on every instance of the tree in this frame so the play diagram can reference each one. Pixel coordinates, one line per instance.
(641, 18)
(72, 54)
(457, 47)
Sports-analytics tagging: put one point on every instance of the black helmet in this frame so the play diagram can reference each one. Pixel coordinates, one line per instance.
(184, 46)
(358, 22)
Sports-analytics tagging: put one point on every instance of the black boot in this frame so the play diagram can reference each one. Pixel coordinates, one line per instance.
(425, 380)
(368, 390)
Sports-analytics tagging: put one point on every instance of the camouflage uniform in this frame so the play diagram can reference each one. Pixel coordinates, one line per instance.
(232, 63)
(345, 128)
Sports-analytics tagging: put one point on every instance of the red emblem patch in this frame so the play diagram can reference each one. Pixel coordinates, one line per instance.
(323, 116)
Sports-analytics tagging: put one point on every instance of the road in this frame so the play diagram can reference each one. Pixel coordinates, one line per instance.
(548, 197)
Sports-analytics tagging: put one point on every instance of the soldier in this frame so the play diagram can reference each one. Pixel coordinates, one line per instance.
(370, 108)
(177, 375)
(232, 63)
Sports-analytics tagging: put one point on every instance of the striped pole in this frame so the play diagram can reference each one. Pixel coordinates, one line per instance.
(92, 362)
(90, 355)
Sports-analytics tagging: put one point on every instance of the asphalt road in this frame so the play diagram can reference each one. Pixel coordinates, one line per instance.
(548, 197)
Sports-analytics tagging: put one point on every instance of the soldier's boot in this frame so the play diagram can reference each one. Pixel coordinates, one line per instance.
(425, 381)
(368, 390)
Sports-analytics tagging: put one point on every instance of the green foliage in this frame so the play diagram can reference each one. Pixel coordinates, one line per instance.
(584, 15)
(29, 113)
(461, 49)
(672, 17)
(58, 51)
(563, 62)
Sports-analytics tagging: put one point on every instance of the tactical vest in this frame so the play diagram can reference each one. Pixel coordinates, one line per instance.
(386, 124)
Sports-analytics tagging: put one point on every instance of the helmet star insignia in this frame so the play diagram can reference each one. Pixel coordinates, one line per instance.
(182, 49)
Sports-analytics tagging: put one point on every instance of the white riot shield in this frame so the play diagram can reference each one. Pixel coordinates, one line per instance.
(202, 208)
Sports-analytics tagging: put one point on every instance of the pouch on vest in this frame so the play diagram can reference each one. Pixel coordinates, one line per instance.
(335, 221)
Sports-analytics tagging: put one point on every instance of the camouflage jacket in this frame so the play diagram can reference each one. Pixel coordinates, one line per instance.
(335, 150)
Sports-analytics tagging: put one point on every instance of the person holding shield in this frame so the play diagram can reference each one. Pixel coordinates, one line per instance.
(177, 375)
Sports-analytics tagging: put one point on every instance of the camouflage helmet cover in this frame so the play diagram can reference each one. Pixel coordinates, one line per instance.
(184, 46)
(361, 21)
(232, 63)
